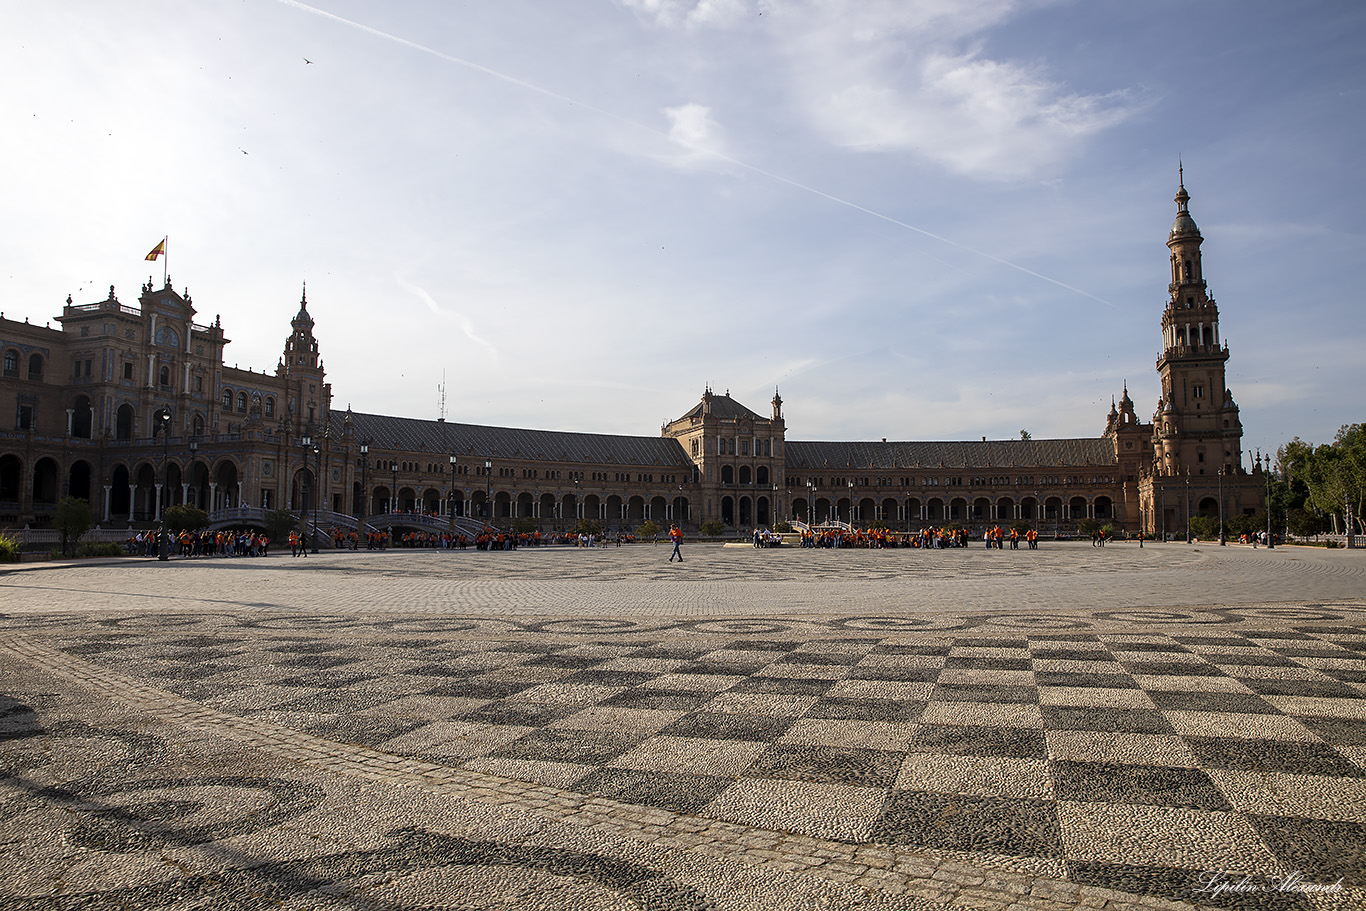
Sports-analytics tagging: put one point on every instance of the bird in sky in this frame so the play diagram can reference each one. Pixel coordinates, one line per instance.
(306, 60)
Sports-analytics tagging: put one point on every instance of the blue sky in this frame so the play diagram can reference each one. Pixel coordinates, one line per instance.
(918, 220)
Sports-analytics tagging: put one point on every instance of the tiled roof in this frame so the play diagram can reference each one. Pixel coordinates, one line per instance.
(478, 441)
(984, 454)
(727, 409)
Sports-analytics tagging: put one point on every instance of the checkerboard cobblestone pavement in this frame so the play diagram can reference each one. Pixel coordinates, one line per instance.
(858, 730)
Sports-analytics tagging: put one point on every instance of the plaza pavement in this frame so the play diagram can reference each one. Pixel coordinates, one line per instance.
(563, 728)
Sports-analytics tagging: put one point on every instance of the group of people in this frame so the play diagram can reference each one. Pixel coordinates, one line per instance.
(243, 543)
(925, 538)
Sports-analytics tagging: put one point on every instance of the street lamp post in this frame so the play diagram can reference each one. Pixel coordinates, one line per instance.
(488, 490)
(1188, 505)
(450, 499)
(1270, 535)
(164, 426)
(851, 502)
(194, 454)
(1223, 539)
(393, 492)
(810, 502)
(364, 488)
(318, 485)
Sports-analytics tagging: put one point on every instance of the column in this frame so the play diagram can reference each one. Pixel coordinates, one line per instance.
(132, 504)
(213, 496)
(185, 493)
(70, 418)
(239, 493)
(107, 489)
(156, 513)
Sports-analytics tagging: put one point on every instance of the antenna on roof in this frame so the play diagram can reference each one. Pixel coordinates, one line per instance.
(441, 398)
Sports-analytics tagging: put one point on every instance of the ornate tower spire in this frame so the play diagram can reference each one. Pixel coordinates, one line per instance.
(1196, 429)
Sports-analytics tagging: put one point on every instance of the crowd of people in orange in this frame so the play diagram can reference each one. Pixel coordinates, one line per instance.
(927, 538)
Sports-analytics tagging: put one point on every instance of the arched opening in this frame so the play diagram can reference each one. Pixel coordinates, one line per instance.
(1005, 510)
(727, 474)
(913, 512)
(11, 475)
(744, 474)
(379, 502)
(635, 510)
(547, 507)
(822, 510)
(225, 475)
(301, 490)
(1209, 508)
(502, 505)
(198, 477)
(1029, 509)
(761, 475)
(958, 509)
(728, 510)
(120, 499)
(1102, 508)
(197, 426)
(407, 499)
(78, 480)
(35, 368)
(801, 509)
(981, 509)
(612, 515)
(592, 507)
(526, 506)
(746, 512)
(658, 510)
(45, 483)
(172, 491)
(242, 402)
(431, 501)
(1076, 508)
(81, 417)
(844, 510)
(935, 510)
(124, 421)
(888, 511)
(164, 377)
(1052, 509)
(145, 494)
(681, 510)
(761, 513)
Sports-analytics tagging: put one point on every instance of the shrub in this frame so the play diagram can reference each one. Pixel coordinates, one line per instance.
(9, 549)
(101, 549)
(72, 520)
(783, 528)
(647, 529)
(186, 518)
(279, 523)
(713, 529)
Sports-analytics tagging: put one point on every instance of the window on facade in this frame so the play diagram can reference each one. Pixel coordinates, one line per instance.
(744, 447)
(270, 406)
(127, 370)
(164, 377)
(242, 402)
(25, 417)
(11, 365)
(35, 368)
(227, 400)
(1198, 391)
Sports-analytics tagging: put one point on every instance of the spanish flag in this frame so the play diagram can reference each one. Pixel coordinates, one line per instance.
(158, 250)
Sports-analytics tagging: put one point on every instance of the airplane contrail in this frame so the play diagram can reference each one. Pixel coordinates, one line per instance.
(549, 93)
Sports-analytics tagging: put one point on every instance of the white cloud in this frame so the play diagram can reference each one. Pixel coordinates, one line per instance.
(692, 127)
(909, 76)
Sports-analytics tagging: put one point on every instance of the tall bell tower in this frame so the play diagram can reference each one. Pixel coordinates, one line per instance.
(1196, 430)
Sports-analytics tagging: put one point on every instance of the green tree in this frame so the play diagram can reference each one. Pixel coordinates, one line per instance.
(1204, 527)
(783, 528)
(647, 529)
(71, 520)
(279, 523)
(588, 527)
(1026, 435)
(713, 528)
(1303, 523)
(1088, 527)
(186, 518)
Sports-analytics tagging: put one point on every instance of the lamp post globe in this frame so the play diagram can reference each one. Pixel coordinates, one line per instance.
(163, 425)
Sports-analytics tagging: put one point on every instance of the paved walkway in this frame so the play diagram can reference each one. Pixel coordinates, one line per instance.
(1069, 727)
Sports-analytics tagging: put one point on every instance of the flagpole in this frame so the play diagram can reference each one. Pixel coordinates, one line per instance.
(165, 260)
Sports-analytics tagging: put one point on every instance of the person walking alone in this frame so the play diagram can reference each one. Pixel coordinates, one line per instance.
(676, 536)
